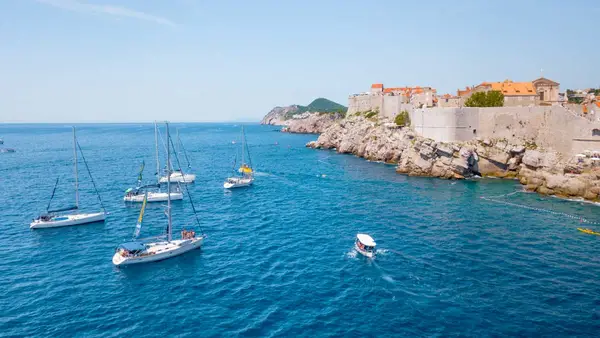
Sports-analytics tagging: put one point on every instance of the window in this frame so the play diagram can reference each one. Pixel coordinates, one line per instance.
(595, 132)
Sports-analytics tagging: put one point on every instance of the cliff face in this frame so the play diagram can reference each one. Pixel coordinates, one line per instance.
(310, 123)
(541, 171)
(277, 115)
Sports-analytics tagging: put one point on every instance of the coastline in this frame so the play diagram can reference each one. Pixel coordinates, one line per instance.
(538, 170)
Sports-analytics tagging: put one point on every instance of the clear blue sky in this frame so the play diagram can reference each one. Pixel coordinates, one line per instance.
(140, 60)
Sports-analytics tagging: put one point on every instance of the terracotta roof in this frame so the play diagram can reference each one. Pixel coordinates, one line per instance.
(510, 88)
(396, 89)
(448, 96)
(405, 90)
(464, 92)
(377, 85)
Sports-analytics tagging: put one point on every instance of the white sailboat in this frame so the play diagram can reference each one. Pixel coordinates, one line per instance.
(140, 251)
(58, 218)
(247, 173)
(177, 175)
(141, 192)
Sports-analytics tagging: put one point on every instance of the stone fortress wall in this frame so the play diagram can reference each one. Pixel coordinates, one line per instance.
(551, 127)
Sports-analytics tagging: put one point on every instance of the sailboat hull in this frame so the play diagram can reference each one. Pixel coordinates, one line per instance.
(159, 251)
(236, 182)
(154, 197)
(179, 178)
(68, 220)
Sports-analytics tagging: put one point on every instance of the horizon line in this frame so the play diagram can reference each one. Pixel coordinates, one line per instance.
(124, 122)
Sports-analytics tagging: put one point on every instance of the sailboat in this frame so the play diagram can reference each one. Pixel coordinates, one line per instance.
(140, 251)
(57, 217)
(177, 175)
(247, 174)
(141, 192)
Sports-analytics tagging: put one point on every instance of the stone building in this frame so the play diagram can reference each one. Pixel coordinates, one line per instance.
(516, 94)
(377, 89)
(547, 91)
(448, 100)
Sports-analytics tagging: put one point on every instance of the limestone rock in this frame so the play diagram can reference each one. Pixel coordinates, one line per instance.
(444, 150)
(532, 158)
(538, 170)
(517, 149)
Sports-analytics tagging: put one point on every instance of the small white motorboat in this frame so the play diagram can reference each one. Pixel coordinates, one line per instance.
(55, 221)
(365, 245)
(179, 177)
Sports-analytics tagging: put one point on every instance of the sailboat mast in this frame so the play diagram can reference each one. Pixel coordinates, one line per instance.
(168, 183)
(243, 145)
(76, 172)
(177, 149)
(157, 159)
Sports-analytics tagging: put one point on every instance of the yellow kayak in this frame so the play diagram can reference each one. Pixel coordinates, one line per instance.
(589, 231)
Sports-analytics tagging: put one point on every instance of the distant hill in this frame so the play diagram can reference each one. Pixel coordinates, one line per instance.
(322, 105)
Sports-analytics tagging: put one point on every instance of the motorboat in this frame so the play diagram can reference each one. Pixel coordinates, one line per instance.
(365, 245)
(57, 217)
(145, 251)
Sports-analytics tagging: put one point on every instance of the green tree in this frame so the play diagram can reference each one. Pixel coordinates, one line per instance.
(492, 98)
(402, 119)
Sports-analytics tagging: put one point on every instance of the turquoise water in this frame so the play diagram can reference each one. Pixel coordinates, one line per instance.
(278, 260)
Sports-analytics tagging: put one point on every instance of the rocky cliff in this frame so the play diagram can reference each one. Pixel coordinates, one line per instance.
(277, 115)
(541, 171)
(310, 123)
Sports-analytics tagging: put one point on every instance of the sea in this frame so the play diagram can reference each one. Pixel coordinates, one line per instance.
(454, 258)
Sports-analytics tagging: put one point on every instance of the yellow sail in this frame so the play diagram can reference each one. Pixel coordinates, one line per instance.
(138, 226)
(143, 208)
(246, 170)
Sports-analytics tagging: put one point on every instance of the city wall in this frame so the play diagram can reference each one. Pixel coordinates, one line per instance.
(550, 127)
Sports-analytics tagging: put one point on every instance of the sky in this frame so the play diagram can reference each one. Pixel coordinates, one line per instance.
(185, 60)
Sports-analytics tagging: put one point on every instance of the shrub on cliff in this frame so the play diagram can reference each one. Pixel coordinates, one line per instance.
(493, 98)
(371, 114)
(402, 119)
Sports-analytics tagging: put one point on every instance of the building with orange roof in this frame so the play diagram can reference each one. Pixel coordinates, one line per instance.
(547, 90)
(541, 91)
(464, 93)
(448, 100)
(377, 88)
(515, 93)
